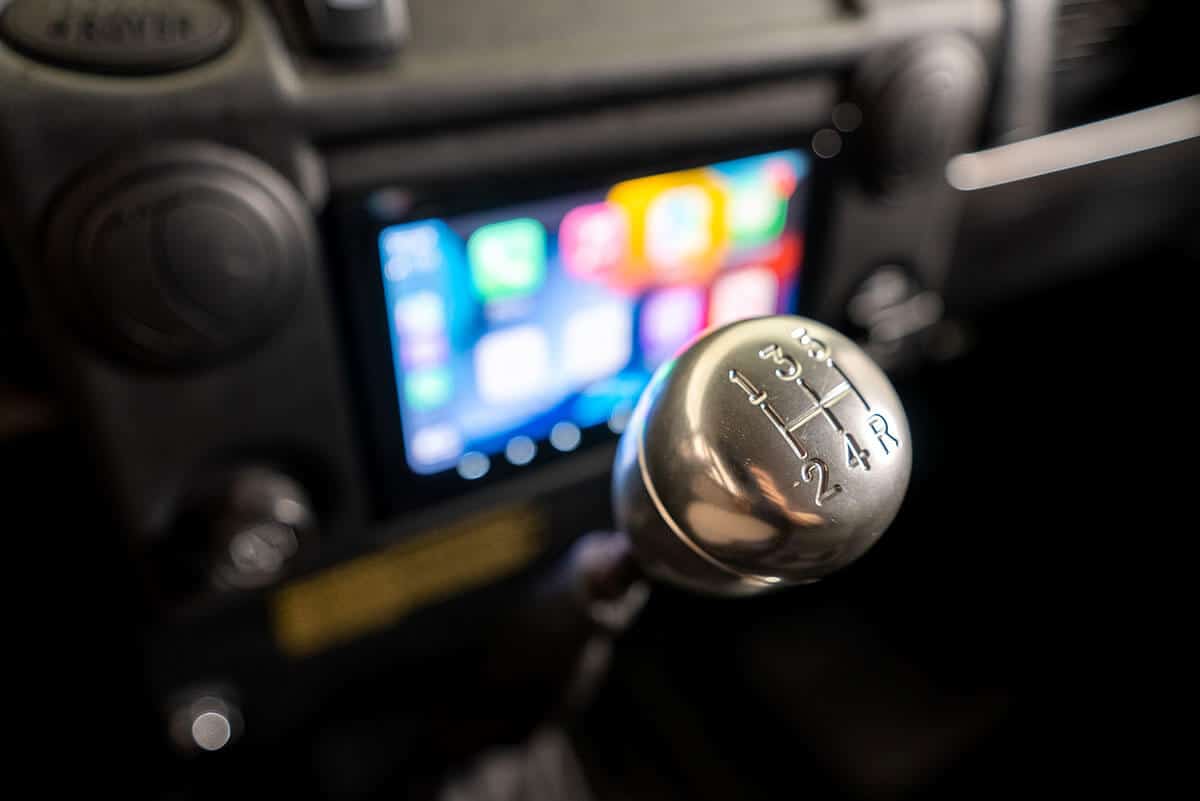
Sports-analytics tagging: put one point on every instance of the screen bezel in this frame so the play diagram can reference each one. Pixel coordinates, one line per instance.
(396, 488)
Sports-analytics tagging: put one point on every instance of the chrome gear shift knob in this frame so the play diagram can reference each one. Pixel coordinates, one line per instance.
(771, 452)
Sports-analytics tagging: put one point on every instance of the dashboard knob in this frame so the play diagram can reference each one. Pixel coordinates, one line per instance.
(261, 525)
(771, 452)
(921, 105)
(181, 255)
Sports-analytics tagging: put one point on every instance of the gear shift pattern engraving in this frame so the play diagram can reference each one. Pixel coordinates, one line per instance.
(791, 371)
(709, 498)
(759, 398)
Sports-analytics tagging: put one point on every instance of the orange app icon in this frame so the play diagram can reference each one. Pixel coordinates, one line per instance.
(678, 227)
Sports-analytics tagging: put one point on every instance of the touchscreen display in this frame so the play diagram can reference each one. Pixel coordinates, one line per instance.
(516, 330)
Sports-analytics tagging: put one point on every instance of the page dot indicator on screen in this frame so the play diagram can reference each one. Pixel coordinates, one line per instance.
(520, 450)
(473, 465)
(565, 436)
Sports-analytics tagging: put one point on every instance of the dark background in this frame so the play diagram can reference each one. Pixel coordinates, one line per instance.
(1019, 630)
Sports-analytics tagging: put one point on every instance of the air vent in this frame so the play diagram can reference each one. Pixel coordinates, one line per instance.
(1114, 56)
(1088, 30)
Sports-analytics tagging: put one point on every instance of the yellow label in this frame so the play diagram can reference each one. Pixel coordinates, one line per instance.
(373, 592)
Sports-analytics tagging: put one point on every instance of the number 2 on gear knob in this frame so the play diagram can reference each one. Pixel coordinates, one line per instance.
(771, 452)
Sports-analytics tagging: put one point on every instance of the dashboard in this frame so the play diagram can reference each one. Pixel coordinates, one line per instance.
(332, 312)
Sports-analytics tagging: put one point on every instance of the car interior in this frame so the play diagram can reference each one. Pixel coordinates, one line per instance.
(554, 400)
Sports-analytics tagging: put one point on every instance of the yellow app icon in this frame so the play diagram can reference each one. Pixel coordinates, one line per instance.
(678, 227)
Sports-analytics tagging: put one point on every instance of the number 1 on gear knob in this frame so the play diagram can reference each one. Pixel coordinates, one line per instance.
(771, 452)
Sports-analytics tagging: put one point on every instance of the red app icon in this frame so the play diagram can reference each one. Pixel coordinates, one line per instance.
(749, 292)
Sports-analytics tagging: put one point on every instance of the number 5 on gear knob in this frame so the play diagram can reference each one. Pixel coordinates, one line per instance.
(771, 452)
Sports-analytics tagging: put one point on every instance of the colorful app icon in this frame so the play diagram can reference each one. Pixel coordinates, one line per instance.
(434, 447)
(759, 189)
(594, 240)
(420, 321)
(420, 314)
(508, 259)
(679, 230)
(413, 248)
(757, 213)
(512, 364)
(428, 388)
(424, 351)
(748, 292)
(787, 256)
(670, 318)
(784, 171)
(678, 227)
(598, 341)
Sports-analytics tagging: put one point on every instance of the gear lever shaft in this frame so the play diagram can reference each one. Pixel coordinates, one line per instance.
(771, 452)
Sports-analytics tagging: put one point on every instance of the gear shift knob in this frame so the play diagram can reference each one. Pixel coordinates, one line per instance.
(771, 452)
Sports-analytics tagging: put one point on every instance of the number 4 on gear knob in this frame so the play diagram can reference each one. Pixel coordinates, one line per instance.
(771, 452)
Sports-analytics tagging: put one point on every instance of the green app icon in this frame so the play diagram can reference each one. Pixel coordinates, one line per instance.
(428, 388)
(508, 259)
(757, 213)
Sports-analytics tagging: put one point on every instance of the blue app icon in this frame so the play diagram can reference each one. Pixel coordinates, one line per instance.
(414, 250)
(424, 263)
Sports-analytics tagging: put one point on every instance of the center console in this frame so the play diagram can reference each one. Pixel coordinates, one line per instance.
(352, 300)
